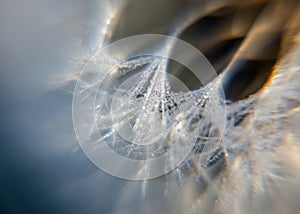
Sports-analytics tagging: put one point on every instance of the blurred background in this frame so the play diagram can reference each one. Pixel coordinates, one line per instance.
(44, 43)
